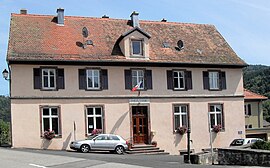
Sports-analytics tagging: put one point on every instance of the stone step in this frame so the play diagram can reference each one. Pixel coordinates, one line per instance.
(144, 148)
(144, 151)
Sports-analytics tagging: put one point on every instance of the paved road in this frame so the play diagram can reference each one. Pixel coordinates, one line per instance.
(27, 158)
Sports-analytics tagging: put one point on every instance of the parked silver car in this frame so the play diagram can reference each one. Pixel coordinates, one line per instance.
(107, 142)
(244, 142)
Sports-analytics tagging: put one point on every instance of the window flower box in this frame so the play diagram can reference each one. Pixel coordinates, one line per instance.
(217, 128)
(181, 130)
(49, 134)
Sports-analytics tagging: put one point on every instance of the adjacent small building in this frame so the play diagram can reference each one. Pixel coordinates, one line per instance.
(254, 116)
(76, 74)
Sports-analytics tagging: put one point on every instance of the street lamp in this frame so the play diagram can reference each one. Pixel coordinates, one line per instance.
(5, 74)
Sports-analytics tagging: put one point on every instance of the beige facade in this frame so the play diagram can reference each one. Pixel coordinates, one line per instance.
(73, 82)
(255, 119)
(117, 103)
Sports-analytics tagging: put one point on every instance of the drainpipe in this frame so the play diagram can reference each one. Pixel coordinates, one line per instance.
(259, 114)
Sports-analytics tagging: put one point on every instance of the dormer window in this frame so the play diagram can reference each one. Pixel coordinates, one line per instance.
(134, 44)
(136, 47)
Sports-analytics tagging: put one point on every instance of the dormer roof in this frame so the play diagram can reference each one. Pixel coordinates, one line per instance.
(137, 29)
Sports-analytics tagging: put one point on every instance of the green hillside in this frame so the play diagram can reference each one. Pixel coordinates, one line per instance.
(257, 79)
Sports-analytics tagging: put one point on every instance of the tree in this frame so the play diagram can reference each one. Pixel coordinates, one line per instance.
(4, 133)
(5, 108)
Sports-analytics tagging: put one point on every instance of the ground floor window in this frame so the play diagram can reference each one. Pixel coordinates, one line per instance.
(216, 115)
(50, 119)
(94, 119)
(180, 116)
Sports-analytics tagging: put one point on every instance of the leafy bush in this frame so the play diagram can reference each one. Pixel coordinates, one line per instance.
(261, 145)
(4, 133)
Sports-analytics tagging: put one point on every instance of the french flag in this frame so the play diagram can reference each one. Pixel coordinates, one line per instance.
(136, 86)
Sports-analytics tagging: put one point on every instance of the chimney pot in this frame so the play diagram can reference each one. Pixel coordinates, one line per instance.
(23, 11)
(60, 16)
(135, 19)
(105, 16)
(164, 20)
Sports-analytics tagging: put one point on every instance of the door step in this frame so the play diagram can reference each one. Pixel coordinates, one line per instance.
(146, 149)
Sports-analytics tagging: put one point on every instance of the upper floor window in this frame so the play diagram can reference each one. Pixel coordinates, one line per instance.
(216, 115)
(136, 47)
(49, 78)
(139, 78)
(247, 109)
(214, 80)
(180, 116)
(93, 79)
(179, 80)
(50, 118)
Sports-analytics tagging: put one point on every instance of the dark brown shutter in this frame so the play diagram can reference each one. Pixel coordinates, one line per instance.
(222, 80)
(249, 109)
(223, 117)
(37, 78)
(169, 79)
(188, 77)
(104, 79)
(60, 79)
(148, 74)
(205, 80)
(82, 79)
(128, 82)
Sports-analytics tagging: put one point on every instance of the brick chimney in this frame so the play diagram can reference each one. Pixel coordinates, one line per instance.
(60, 16)
(23, 11)
(135, 19)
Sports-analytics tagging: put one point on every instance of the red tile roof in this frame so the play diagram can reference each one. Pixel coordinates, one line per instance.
(39, 38)
(251, 95)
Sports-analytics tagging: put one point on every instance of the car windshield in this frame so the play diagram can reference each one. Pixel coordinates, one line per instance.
(237, 142)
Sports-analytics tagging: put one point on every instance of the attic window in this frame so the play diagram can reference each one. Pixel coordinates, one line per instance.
(166, 45)
(136, 47)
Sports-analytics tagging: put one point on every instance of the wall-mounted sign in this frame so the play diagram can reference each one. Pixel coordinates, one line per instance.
(139, 101)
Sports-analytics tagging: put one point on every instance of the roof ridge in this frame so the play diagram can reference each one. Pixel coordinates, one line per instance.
(100, 18)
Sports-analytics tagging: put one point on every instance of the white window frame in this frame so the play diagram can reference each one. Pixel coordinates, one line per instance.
(247, 109)
(216, 113)
(141, 47)
(181, 114)
(94, 116)
(50, 117)
(179, 78)
(137, 78)
(48, 70)
(214, 80)
(90, 73)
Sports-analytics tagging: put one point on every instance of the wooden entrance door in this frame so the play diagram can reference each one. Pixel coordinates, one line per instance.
(140, 124)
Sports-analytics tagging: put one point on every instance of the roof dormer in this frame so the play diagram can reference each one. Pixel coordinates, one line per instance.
(135, 42)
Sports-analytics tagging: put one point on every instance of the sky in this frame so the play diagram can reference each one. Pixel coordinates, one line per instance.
(245, 24)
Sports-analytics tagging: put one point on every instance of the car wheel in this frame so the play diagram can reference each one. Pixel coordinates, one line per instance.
(119, 150)
(85, 148)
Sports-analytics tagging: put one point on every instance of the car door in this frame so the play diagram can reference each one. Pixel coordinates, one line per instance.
(114, 140)
(99, 143)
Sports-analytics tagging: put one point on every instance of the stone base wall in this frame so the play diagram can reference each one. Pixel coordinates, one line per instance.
(202, 158)
(247, 157)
